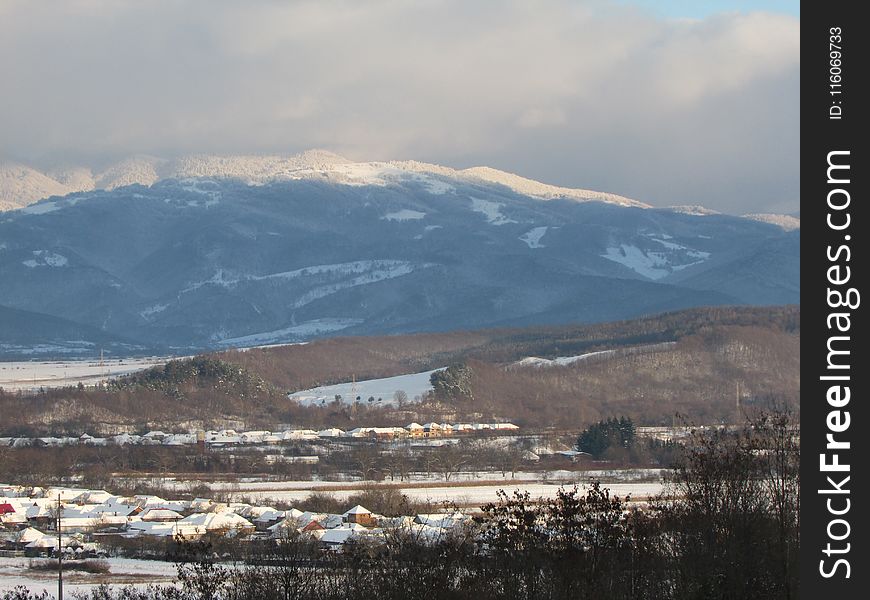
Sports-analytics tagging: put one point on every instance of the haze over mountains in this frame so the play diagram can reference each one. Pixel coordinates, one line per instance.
(211, 252)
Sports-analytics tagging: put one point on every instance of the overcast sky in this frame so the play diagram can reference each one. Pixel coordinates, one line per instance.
(642, 99)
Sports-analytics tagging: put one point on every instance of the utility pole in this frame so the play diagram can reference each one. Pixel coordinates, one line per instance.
(59, 552)
(737, 406)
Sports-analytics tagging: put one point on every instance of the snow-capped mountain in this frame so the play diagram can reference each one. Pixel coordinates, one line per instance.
(216, 252)
(20, 186)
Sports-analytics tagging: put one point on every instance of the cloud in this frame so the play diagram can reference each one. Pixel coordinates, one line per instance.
(589, 94)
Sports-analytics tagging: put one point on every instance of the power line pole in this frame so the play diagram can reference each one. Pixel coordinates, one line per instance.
(59, 552)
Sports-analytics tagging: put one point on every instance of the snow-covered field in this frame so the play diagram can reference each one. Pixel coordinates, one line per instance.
(471, 496)
(123, 571)
(27, 375)
(414, 385)
(469, 489)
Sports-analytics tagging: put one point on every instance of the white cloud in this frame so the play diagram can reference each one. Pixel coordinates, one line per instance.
(588, 94)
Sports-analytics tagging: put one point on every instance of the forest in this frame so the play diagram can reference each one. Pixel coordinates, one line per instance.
(703, 364)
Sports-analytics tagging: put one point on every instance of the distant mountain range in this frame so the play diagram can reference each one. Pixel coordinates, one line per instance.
(204, 252)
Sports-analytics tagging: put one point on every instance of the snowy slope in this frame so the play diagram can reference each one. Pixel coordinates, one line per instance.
(21, 185)
(320, 165)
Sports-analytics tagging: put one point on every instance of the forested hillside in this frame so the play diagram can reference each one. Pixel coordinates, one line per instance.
(707, 364)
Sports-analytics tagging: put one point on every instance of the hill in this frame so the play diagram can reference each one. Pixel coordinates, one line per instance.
(690, 362)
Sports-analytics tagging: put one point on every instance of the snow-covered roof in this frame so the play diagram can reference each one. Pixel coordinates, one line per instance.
(30, 534)
(340, 535)
(160, 514)
(330, 432)
(357, 510)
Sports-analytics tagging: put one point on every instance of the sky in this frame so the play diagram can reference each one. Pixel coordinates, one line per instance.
(670, 102)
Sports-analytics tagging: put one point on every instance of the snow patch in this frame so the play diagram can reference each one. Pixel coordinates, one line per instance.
(404, 215)
(153, 310)
(785, 222)
(361, 272)
(532, 238)
(695, 210)
(491, 210)
(373, 276)
(292, 333)
(41, 208)
(651, 265)
(204, 187)
(46, 259)
(415, 384)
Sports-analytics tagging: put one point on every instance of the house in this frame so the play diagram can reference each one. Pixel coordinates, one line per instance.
(432, 430)
(330, 433)
(160, 515)
(40, 516)
(155, 528)
(198, 524)
(359, 515)
(334, 539)
(254, 437)
(388, 433)
(414, 429)
(300, 434)
(200, 504)
(154, 437)
(265, 517)
(26, 536)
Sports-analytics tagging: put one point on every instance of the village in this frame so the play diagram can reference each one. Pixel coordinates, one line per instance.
(94, 523)
(230, 437)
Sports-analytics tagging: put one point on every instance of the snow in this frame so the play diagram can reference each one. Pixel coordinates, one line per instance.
(414, 384)
(153, 310)
(24, 375)
(201, 186)
(532, 238)
(294, 332)
(367, 271)
(651, 265)
(544, 191)
(404, 215)
(122, 571)
(471, 495)
(45, 259)
(534, 361)
(41, 208)
(383, 174)
(655, 265)
(491, 210)
(21, 186)
(786, 222)
(374, 276)
(694, 210)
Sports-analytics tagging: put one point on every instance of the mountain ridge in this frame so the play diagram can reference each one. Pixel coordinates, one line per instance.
(22, 185)
(199, 263)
